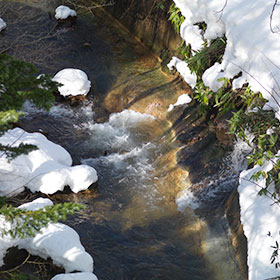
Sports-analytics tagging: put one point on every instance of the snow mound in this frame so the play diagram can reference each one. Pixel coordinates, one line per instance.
(63, 12)
(75, 276)
(74, 82)
(62, 244)
(2, 24)
(182, 99)
(47, 169)
(57, 241)
(260, 218)
(183, 69)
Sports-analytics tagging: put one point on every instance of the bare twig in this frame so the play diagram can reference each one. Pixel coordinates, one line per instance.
(271, 17)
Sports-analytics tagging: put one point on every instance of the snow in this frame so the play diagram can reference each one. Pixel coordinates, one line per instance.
(182, 99)
(75, 276)
(57, 241)
(74, 82)
(183, 69)
(62, 244)
(63, 12)
(253, 42)
(47, 169)
(260, 218)
(2, 24)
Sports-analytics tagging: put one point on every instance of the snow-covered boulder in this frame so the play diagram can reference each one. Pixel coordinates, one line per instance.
(62, 244)
(74, 82)
(182, 99)
(2, 24)
(47, 169)
(57, 241)
(75, 276)
(183, 68)
(63, 12)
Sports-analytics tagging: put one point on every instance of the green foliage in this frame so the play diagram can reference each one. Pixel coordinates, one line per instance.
(176, 17)
(205, 58)
(161, 5)
(27, 223)
(13, 152)
(18, 83)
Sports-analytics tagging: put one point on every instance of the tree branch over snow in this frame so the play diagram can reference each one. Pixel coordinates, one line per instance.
(222, 10)
(271, 18)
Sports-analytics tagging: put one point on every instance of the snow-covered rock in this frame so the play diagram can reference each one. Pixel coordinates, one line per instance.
(63, 12)
(182, 99)
(260, 218)
(47, 169)
(62, 244)
(3, 24)
(74, 82)
(57, 241)
(183, 69)
(75, 276)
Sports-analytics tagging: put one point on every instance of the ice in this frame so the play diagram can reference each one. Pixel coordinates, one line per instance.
(63, 12)
(74, 82)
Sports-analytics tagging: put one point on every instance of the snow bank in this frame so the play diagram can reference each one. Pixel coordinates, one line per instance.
(62, 244)
(47, 169)
(63, 12)
(182, 99)
(57, 241)
(253, 42)
(75, 276)
(74, 82)
(2, 24)
(260, 218)
(183, 69)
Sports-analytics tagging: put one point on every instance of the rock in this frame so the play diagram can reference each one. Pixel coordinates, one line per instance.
(239, 241)
(222, 133)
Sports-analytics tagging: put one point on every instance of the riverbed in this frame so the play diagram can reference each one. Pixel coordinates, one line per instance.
(131, 226)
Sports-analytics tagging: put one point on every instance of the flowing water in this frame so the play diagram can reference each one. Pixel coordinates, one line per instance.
(131, 227)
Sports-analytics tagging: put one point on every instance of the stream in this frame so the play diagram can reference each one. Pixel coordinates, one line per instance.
(131, 227)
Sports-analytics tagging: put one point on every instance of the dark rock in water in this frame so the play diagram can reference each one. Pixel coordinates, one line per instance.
(66, 23)
(223, 130)
(72, 100)
(238, 239)
(76, 100)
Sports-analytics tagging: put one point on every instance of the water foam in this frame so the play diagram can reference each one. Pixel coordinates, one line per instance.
(216, 187)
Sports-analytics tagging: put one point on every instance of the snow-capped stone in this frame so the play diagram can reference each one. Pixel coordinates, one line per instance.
(3, 24)
(62, 244)
(47, 169)
(74, 82)
(57, 241)
(182, 99)
(75, 276)
(183, 68)
(63, 12)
